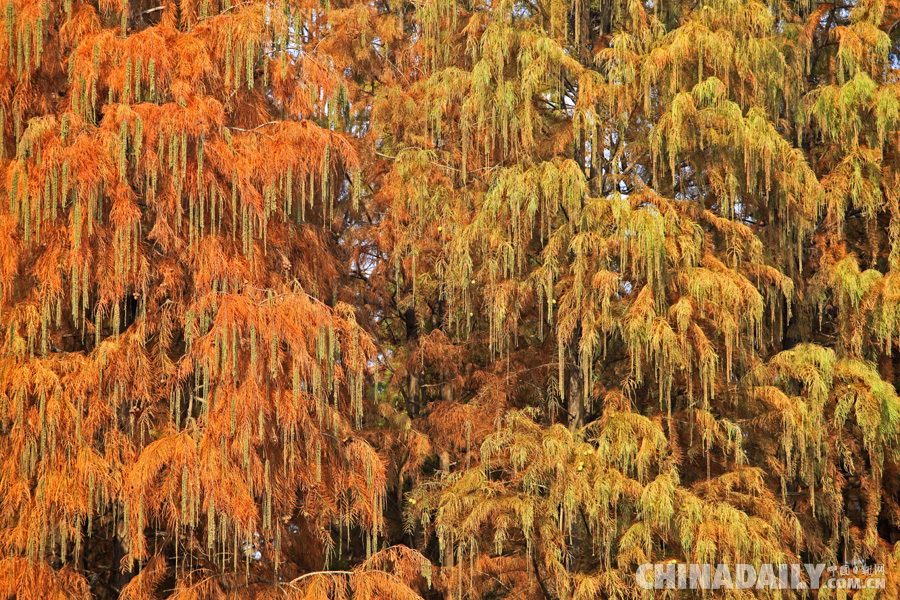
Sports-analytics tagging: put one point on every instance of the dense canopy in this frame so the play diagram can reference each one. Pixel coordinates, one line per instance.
(364, 299)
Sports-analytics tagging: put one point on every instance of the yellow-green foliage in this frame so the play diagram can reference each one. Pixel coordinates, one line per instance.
(334, 299)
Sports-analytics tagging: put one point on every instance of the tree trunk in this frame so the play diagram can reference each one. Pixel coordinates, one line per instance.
(574, 384)
(413, 377)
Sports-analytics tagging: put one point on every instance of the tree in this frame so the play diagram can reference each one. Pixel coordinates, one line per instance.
(182, 375)
(677, 198)
(495, 300)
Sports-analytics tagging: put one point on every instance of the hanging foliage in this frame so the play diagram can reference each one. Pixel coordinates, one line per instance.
(448, 299)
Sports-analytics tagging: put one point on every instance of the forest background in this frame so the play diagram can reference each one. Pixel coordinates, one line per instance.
(445, 298)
